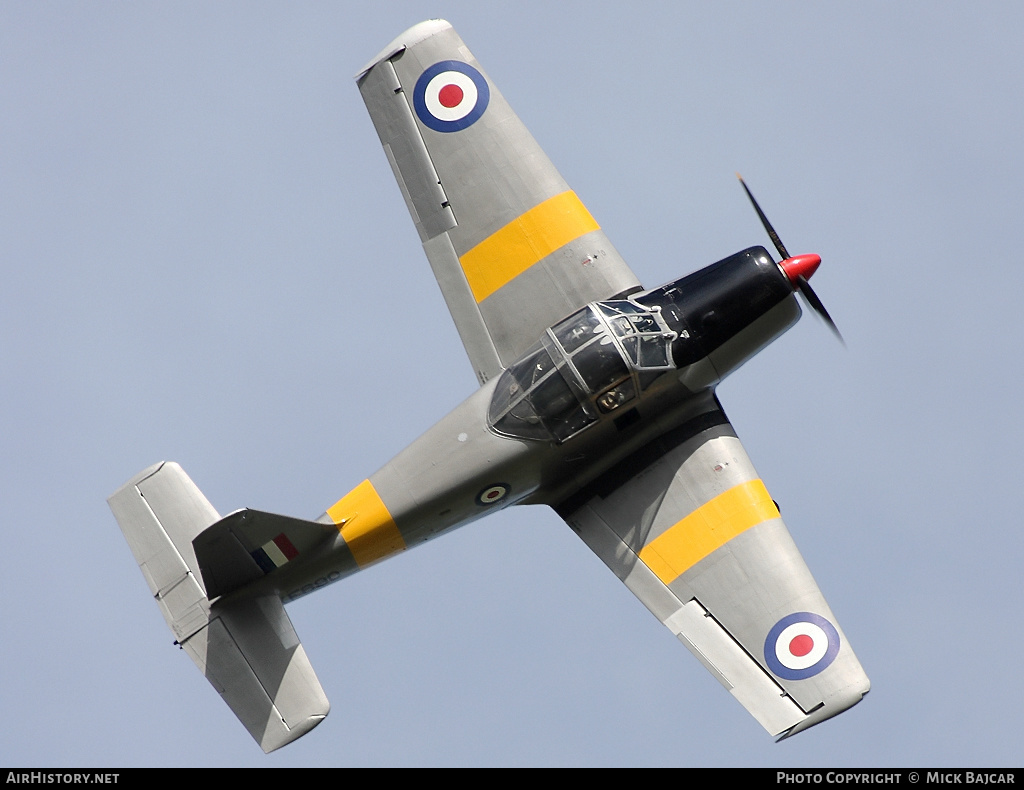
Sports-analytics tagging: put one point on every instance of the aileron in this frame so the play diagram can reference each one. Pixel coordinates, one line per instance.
(733, 667)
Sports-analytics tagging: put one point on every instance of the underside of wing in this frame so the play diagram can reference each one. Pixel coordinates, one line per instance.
(512, 247)
(691, 530)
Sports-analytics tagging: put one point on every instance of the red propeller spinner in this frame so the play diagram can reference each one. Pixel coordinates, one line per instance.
(798, 268)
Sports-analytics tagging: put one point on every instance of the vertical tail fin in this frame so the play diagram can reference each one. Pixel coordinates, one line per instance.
(247, 648)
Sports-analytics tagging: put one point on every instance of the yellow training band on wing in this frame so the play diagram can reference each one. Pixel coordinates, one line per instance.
(710, 526)
(530, 237)
(366, 525)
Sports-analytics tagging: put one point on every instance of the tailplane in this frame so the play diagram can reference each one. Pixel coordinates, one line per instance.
(246, 646)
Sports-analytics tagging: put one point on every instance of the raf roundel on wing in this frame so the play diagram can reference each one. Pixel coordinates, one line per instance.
(801, 645)
(450, 96)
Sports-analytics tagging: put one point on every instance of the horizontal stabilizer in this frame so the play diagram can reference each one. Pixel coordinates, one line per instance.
(250, 653)
(160, 511)
(246, 647)
(248, 544)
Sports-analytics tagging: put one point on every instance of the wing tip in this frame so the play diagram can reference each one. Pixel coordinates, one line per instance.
(832, 706)
(414, 35)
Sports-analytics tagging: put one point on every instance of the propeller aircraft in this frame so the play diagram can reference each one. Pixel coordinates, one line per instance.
(597, 398)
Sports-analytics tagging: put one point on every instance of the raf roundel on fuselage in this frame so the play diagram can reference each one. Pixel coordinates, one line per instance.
(450, 96)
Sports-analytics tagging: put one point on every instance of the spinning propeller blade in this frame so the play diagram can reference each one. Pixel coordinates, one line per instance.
(797, 269)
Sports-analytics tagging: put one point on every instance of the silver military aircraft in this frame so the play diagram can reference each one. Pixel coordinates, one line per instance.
(597, 397)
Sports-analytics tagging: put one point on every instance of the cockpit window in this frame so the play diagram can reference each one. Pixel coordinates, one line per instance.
(614, 397)
(593, 362)
(577, 329)
(533, 400)
(533, 368)
(646, 342)
(621, 307)
(600, 364)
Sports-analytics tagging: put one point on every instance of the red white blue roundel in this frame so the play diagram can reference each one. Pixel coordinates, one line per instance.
(801, 645)
(492, 494)
(450, 95)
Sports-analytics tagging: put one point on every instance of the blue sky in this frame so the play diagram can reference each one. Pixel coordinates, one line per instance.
(201, 241)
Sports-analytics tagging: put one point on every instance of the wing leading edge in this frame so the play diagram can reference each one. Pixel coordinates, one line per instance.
(512, 247)
(689, 528)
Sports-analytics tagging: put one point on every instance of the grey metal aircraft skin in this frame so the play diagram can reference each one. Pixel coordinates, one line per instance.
(597, 398)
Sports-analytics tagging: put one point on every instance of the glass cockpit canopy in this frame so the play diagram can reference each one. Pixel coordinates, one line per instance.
(590, 364)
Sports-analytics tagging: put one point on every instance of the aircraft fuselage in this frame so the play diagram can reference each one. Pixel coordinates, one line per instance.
(494, 450)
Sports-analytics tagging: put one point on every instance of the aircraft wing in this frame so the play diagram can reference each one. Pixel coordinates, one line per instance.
(688, 526)
(512, 247)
